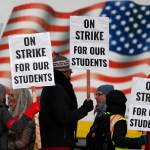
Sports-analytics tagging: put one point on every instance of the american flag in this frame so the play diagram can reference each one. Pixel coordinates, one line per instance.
(129, 40)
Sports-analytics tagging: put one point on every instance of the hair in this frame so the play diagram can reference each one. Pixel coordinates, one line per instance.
(22, 101)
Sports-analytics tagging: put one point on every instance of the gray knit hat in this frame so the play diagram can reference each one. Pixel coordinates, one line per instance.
(61, 63)
(105, 88)
(2, 92)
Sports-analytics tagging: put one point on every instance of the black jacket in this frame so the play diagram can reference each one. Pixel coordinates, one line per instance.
(120, 129)
(59, 114)
(5, 116)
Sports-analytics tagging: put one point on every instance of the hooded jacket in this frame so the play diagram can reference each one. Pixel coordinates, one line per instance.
(59, 114)
(116, 104)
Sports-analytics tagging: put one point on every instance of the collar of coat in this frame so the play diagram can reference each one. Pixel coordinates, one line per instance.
(66, 84)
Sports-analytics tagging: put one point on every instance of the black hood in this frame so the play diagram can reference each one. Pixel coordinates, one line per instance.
(116, 102)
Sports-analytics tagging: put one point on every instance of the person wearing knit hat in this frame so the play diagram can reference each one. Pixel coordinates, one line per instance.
(59, 111)
(61, 63)
(100, 96)
(92, 143)
(116, 106)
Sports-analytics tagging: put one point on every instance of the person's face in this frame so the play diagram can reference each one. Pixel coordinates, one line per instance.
(100, 97)
(11, 99)
(68, 74)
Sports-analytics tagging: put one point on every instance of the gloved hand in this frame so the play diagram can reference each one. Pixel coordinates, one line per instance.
(11, 122)
(142, 140)
(88, 105)
(32, 110)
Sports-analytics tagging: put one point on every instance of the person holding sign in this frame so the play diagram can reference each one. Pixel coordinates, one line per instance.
(18, 101)
(59, 113)
(116, 106)
(8, 122)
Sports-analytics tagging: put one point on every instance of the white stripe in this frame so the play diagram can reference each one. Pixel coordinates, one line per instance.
(6, 82)
(5, 67)
(4, 53)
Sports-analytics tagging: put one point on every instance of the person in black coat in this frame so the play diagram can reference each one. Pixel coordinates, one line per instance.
(59, 111)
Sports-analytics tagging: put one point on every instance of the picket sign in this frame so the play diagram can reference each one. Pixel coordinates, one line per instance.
(37, 128)
(89, 44)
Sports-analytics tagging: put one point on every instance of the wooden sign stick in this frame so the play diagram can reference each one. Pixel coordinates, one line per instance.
(88, 84)
(37, 128)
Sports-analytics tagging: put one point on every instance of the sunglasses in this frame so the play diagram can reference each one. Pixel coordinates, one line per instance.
(98, 94)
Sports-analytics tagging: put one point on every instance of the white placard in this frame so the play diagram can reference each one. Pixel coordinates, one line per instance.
(89, 42)
(140, 92)
(139, 117)
(139, 107)
(31, 60)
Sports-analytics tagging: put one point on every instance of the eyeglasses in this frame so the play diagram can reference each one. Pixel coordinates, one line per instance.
(98, 94)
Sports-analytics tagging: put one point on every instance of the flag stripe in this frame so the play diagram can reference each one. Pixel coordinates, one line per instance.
(129, 64)
(55, 13)
(41, 22)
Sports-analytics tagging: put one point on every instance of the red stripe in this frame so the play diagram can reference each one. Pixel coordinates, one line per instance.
(42, 22)
(55, 13)
(5, 60)
(116, 79)
(114, 64)
(4, 47)
(5, 74)
(59, 43)
(19, 31)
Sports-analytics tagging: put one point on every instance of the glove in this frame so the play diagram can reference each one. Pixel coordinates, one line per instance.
(88, 105)
(32, 110)
(142, 140)
(11, 122)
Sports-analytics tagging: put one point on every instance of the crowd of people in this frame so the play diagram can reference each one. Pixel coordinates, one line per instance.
(59, 115)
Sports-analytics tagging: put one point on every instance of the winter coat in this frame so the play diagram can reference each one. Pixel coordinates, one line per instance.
(5, 116)
(23, 140)
(59, 114)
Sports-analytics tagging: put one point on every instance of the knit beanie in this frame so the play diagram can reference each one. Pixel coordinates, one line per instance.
(105, 89)
(116, 97)
(60, 63)
(2, 92)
